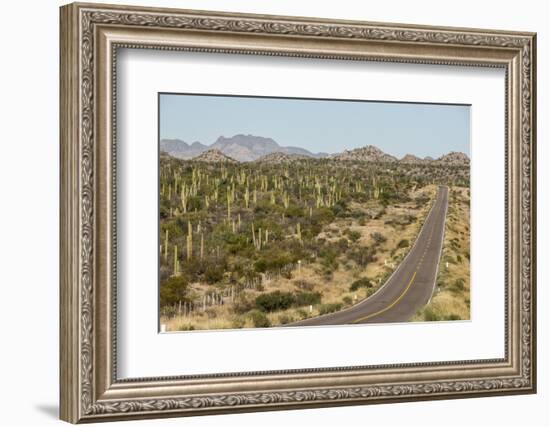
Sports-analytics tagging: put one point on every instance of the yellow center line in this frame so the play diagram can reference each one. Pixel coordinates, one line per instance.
(391, 305)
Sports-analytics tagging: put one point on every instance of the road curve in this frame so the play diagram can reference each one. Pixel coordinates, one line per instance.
(411, 285)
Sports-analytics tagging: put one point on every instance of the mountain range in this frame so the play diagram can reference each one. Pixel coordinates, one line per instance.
(248, 148)
(243, 148)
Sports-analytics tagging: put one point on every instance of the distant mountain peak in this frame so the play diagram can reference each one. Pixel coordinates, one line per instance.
(241, 147)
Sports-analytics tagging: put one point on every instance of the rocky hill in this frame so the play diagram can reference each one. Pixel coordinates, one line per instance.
(454, 158)
(214, 156)
(370, 153)
(411, 159)
(278, 157)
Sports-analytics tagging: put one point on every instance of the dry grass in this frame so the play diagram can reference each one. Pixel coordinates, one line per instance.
(393, 224)
(451, 300)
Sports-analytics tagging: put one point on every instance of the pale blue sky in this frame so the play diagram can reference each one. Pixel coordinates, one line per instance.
(319, 125)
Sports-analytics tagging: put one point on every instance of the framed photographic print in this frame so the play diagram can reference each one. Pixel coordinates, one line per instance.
(265, 212)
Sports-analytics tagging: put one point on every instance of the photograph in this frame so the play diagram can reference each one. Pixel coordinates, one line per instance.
(308, 212)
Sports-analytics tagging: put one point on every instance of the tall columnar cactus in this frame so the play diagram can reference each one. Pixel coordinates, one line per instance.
(259, 238)
(286, 200)
(246, 197)
(189, 241)
(166, 245)
(176, 263)
(376, 192)
(228, 205)
(184, 197)
(299, 232)
(202, 245)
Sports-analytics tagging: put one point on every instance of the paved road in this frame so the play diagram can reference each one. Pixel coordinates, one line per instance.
(411, 285)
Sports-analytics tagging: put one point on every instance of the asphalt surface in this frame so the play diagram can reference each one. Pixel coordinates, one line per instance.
(411, 285)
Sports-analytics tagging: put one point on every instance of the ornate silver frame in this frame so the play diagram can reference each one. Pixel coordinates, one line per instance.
(90, 36)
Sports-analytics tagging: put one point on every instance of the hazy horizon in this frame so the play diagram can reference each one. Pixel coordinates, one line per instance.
(328, 126)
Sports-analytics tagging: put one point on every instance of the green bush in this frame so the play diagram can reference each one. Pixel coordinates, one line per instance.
(347, 300)
(378, 238)
(361, 283)
(285, 319)
(453, 316)
(173, 290)
(272, 260)
(238, 323)
(330, 308)
(213, 274)
(458, 286)
(430, 315)
(242, 304)
(259, 319)
(275, 301)
(307, 298)
(353, 235)
(403, 243)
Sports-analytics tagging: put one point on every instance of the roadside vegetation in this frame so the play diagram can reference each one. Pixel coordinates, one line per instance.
(451, 300)
(259, 245)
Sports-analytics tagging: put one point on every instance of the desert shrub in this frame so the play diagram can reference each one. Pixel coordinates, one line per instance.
(380, 214)
(302, 314)
(285, 319)
(173, 290)
(294, 211)
(328, 257)
(243, 304)
(330, 307)
(213, 273)
(272, 260)
(361, 283)
(452, 316)
(459, 258)
(430, 315)
(194, 203)
(378, 238)
(347, 300)
(304, 284)
(238, 323)
(339, 208)
(458, 285)
(307, 298)
(274, 301)
(361, 255)
(342, 245)
(322, 215)
(259, 319)
(353, 235)
(403, 243)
